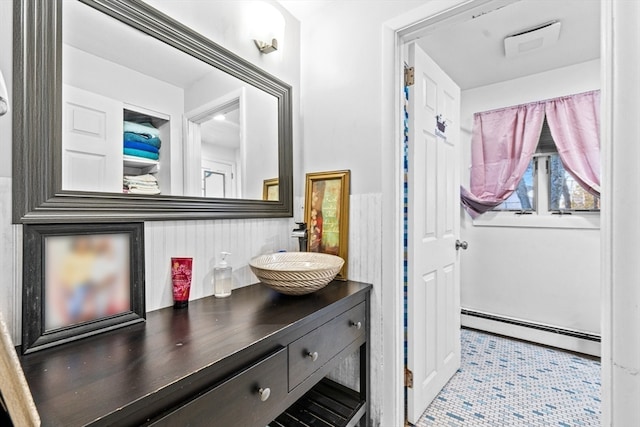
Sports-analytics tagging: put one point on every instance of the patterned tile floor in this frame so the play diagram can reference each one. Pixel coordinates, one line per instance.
(503, 382)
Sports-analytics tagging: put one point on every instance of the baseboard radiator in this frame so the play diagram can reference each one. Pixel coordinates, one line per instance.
(538, 326)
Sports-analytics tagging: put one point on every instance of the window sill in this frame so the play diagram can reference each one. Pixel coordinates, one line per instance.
(510, 219)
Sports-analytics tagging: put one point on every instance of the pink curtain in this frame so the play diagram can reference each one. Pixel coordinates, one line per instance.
(574, 122)
(502, 145)
(503, 142)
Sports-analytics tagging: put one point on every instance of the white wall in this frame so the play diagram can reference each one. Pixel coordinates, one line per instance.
(621, 230)
(342, 88)
(214, 152)
(10, 236)
(225, 22)
(259, 126)
(541, 275)
(343, 93)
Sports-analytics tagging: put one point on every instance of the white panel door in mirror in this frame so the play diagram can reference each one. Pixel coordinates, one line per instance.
(92, 129)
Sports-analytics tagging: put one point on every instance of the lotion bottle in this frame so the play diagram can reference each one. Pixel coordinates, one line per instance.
(222, 278)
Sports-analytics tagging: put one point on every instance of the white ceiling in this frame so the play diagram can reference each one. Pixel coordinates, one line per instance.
(471, 49)
(224, 133)
(99, 34)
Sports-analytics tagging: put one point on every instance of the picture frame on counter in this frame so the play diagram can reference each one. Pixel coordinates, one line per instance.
(271, 189)
(80, 280)
(326, 212)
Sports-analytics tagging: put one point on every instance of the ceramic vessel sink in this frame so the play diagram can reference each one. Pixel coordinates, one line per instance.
(296, 273)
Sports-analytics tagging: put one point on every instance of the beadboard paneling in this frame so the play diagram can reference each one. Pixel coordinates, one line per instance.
(10, 263)
(204, 240)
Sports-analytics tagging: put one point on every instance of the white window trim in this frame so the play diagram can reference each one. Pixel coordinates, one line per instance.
(580, 220)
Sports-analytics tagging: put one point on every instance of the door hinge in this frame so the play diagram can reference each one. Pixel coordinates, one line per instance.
(409, 76)
(408, 378)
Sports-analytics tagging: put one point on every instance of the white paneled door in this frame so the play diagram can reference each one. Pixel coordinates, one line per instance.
(91, 141)
(433, 226)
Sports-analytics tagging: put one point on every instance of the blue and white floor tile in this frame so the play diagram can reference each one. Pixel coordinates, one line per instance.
(504, 382)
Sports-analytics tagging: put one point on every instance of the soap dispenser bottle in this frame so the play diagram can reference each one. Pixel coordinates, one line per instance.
(222, 278)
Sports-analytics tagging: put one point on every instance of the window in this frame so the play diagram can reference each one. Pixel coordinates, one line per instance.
(523, 199)
(546, 187)
(565, 194)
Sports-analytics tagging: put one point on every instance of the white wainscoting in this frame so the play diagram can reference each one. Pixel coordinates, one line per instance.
(10, 263)
(204, 240)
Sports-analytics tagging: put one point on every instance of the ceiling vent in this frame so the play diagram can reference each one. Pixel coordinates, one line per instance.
(532, 39)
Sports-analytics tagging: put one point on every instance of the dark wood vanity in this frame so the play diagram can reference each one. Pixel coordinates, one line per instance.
(256, 358)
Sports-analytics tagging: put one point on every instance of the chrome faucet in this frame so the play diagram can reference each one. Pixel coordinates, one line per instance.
(302, 234)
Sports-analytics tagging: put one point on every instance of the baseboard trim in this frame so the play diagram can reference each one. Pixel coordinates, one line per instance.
(533, 325)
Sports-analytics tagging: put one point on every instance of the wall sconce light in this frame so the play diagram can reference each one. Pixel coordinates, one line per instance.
(265, 47)
(4, 96)
(266, 25)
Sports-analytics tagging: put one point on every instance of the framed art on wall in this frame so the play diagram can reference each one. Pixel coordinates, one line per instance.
(326, 212)
(79, 280)
(270, 189)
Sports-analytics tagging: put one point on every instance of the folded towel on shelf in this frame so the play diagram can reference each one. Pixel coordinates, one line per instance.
(141, 146)
(141, 153)
(140, 184)
(141, 178)
(135, 137)
(135, 190)
(141, 129)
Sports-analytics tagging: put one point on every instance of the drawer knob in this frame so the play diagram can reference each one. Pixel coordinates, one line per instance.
(357, 325)
(313, 355)
(264, 393)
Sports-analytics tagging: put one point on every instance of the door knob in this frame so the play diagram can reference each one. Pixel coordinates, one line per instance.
(464, 245)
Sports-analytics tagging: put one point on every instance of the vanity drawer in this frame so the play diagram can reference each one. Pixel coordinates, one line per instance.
(313, 350)
(253, 397)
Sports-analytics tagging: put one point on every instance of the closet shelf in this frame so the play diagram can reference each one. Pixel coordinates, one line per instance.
(139, 162)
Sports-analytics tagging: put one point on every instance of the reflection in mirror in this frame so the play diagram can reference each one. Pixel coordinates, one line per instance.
(220, 144)
(142, 117)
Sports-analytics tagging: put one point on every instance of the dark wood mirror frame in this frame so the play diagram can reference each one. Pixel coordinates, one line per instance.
(37, 123)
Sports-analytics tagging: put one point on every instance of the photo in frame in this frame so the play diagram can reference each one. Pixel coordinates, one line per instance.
(326, 212)
(271, 189)
(80, 280)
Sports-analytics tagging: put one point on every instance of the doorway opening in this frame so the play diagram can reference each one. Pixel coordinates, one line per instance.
(215, 147)
(454, 19)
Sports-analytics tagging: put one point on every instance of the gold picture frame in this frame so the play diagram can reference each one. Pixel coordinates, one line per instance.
(326, 212)
(271, 189)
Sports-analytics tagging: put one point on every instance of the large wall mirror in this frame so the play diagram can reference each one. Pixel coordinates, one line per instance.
(123, 113)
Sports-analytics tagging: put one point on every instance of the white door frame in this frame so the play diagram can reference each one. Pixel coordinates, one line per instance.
(192, 145)
(396, 33)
